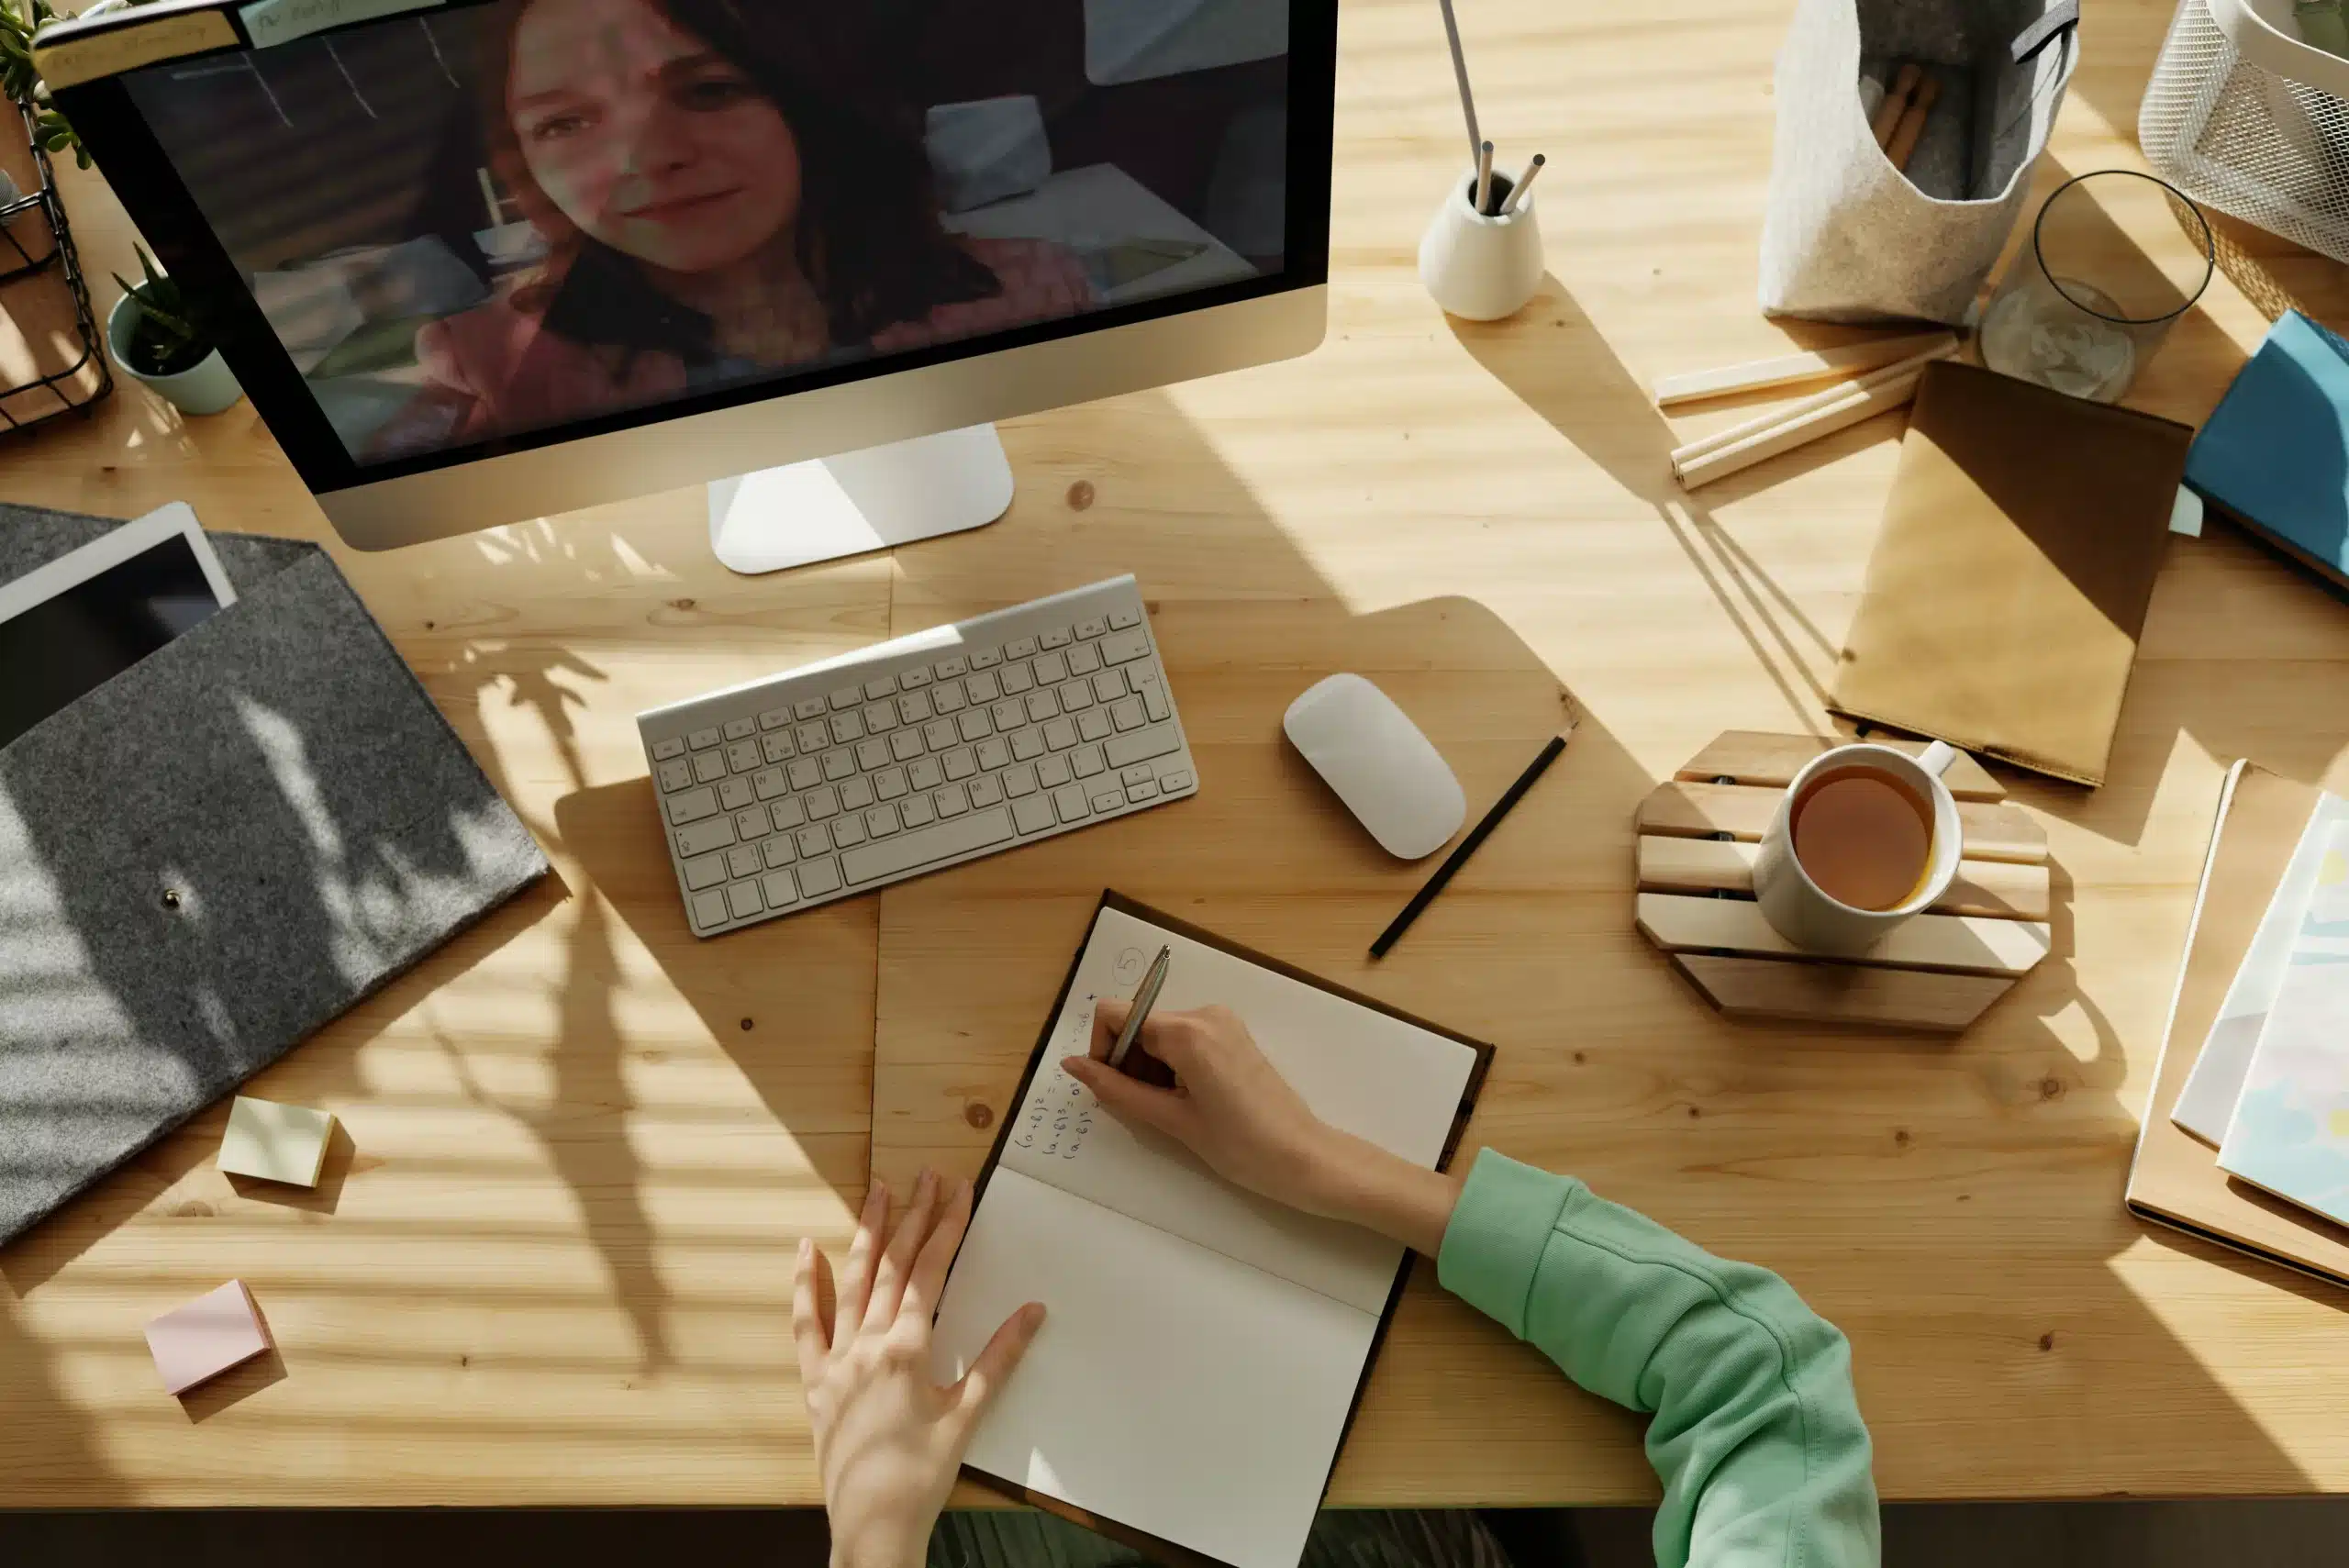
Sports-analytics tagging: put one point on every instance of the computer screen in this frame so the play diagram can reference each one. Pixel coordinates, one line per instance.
(473, 227)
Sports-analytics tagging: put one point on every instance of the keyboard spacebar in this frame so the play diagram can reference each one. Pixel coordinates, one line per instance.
(923, 846)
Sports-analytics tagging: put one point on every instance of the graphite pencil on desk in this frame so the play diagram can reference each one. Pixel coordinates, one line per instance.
(1476, 835)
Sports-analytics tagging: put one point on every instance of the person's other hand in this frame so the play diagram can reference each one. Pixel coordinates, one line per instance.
(888, 1441)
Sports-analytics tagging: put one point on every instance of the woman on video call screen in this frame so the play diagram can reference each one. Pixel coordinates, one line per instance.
(612, 204)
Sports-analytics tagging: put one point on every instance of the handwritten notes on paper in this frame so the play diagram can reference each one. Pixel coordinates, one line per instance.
(1060, 1110)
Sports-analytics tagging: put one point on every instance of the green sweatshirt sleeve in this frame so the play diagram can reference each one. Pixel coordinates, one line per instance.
(1757, 1434)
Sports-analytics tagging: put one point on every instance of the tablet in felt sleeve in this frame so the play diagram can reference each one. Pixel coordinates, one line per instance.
(214, 853)
(2010, 584)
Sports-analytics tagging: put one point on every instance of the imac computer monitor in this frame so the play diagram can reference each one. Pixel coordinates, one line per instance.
(482, 260)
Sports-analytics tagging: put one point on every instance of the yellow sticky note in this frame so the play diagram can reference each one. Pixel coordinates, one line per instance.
(277, 1144)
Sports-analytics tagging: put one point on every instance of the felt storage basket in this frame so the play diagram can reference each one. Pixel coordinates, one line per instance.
(1849, 238)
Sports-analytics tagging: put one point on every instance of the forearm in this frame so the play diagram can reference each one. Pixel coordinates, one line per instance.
(1355, 1180)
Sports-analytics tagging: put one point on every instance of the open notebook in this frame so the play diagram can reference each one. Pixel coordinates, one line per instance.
(1205, 1348)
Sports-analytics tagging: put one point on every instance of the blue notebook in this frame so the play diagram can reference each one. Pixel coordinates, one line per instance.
(2275, 456)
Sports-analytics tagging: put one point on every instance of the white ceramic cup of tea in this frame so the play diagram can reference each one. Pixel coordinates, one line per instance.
(1862, 838)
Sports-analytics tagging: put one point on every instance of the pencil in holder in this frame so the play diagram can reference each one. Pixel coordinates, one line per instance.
(1482, 266)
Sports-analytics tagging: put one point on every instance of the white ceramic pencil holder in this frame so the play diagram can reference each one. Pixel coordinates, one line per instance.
(1480, 267)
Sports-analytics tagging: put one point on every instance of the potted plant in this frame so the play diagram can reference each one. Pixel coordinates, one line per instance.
(154, 337)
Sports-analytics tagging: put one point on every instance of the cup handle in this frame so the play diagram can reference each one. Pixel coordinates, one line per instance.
(1936, 758)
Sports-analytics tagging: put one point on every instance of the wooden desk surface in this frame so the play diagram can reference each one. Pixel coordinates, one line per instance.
(551, 1264)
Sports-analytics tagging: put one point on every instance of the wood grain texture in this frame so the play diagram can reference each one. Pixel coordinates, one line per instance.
(554, 1266)
(1770, 762)
(1995, 889)
(1960, 944)
(1797, 991)
(1993, 831)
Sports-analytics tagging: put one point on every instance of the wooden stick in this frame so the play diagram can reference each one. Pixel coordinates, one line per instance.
(1762, 423)
(1896, 104)
(1517, 192)
(1485, 179)
(1903, 146)
(1851, 410)
(1790, 370)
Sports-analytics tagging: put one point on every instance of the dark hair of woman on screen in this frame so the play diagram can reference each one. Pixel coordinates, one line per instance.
(715, 205)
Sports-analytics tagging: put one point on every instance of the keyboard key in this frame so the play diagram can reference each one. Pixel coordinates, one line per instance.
(881, 718)
(914, 708)
(847, 726)
(912, 680)
(805, 774)
(1119, 647)
(917, 812)
(1071, 804)
(709, 766)
(925, 773)
(777, 888)
(1016, 679)
(1126, 750)
(872, 754)
(839, 765)
(1153, 701)
(1009, 715)
(1033, 814)
(702, 837)
(1087, 760)
(1142, 677)
(809, 707)
(734, 794)
(848, 830)
(1028, 744)
(822, 803)
(1108, 799)
(959, 764)
(742, 859)
(705, 871)
(953, 669)
(664, 749)
(1126, 713)
(815, 842)
(986, 790)
(847, 697)
(881, 821)
(994, 753)
(1060, 735)
(974, 724)
(1141, 773)
(941, 734)
(952, 801)
(908, 850)
(1041, 705)
(1018, 782)
(1086, 630)
(1059, 637)
(880, 686)
(906, 745)
(1053, 772)
(1175, 781)
(752, 822)
(777, 747)
(1146, 790)
(787, 815)
(743, 757)
(948, 699)
(982, 688)
(812, 738)
(1022, 649)
(1122, 617)
(1093, 724)
(741, 729)
(780, 849)
(675, 776)
(1051, 669)
(710, 910)
(1108, 686)
(1077, 696)
(856, 795)
(703, 739)
(819, 877)
(774, 718)
(889, 782)
(742, 898)
(1084, 659)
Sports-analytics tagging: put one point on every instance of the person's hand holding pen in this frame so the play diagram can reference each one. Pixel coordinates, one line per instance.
(1232, 1108)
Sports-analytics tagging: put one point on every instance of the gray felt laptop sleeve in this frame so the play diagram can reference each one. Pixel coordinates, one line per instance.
(214, 853)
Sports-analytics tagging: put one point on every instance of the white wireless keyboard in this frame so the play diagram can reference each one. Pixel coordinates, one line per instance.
(926, 751)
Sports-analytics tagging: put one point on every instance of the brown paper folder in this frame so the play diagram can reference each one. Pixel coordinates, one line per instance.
(2175, 1178)
(2007, 592)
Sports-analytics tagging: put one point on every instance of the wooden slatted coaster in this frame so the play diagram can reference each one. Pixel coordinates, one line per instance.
(1698, 836)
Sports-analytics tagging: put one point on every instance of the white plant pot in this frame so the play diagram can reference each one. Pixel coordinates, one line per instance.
(207, 387)
(1478, 267)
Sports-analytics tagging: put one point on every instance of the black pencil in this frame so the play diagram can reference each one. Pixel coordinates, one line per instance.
(1476, 835)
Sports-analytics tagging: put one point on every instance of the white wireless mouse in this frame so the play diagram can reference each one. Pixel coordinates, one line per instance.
(1382, 767)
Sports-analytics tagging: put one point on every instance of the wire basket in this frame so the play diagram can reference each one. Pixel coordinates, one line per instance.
(2245, 117)
(59, 369)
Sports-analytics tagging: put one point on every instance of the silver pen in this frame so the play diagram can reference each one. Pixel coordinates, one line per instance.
(1144, 998)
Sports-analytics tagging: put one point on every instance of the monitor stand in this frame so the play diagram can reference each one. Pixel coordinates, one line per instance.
(805, 511)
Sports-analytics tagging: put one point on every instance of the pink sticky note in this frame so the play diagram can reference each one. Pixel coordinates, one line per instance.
(206, 1337)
